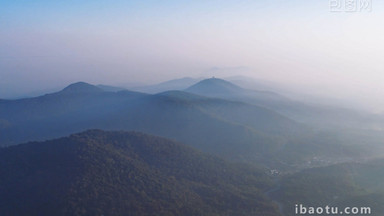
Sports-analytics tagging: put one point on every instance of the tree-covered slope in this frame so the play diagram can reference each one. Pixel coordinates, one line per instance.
(342, 185)
(126, 173)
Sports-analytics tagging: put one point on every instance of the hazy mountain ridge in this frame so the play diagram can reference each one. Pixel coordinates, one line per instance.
(81, 87)
(189, 118)
(174, 84)
(111, 88)
(257, 117)
(234, 130)
(215, 87)
(71, 99)
(318, 115)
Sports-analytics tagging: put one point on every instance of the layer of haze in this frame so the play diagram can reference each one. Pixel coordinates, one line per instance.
(49, 44)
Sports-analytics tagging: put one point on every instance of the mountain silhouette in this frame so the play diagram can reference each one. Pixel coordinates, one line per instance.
(220, 88)
(215, 86)
(233, 130)
(317, 115)
(81, 87)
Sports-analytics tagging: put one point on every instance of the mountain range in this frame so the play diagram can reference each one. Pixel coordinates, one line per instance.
(317, 115)
(230, 128)
(212, 125)
(244, 152)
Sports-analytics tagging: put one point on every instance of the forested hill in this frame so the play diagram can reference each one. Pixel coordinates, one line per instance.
(126, 173)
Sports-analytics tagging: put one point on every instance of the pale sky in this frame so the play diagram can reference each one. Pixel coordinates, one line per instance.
(49, 44)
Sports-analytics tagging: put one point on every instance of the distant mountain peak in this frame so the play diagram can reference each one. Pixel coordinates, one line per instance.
(214, 85)
(81, 87)
(215, 80)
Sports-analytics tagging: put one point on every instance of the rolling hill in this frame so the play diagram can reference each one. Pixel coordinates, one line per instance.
(220, 88)
(230, 129)
(234, 130)
(317, 115)
(119, 173)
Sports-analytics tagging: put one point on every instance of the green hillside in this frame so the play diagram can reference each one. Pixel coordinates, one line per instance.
(342, 185)
(126, 173)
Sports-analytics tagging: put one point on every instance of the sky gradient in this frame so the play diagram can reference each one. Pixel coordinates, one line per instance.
(49, 44)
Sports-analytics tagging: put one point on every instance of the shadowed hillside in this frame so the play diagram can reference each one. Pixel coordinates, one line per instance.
(344, 185)
(122, 173)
